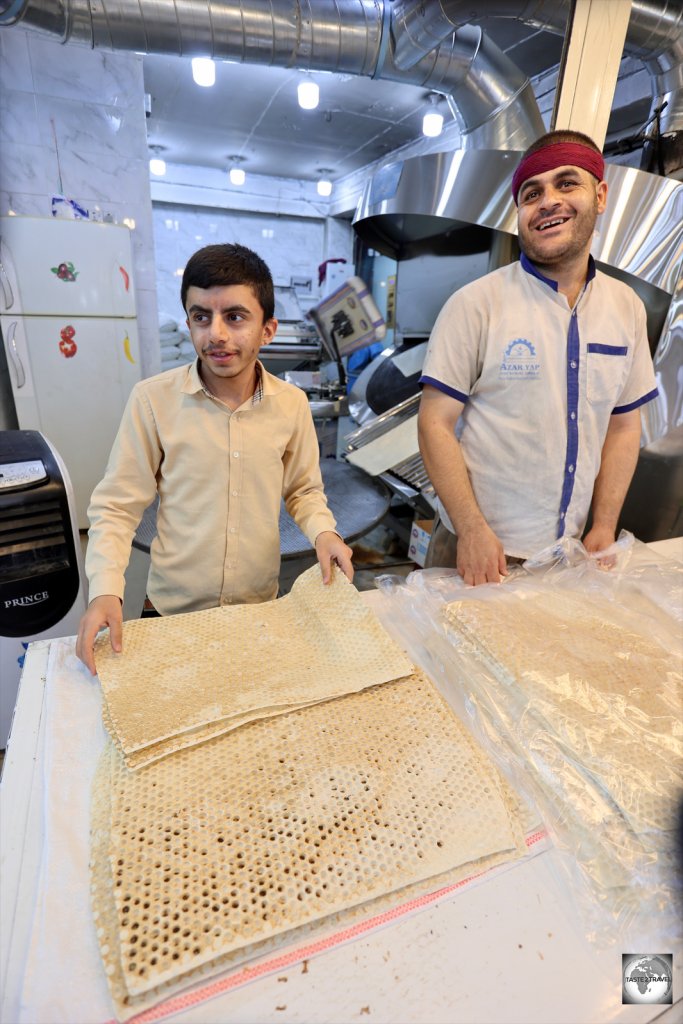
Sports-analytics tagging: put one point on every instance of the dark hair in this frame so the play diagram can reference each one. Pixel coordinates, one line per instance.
(558, 136)
(229, 264)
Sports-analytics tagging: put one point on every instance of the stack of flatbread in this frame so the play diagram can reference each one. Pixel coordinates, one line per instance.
(349, 783)
(592, 703)
(186, 678)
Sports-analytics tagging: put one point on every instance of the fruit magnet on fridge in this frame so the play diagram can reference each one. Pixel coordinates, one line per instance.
(65, 272)
(126, 349)
(67, 345)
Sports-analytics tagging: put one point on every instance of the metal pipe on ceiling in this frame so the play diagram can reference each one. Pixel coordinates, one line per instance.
(655, 36)
(491, 99)
(430, 44)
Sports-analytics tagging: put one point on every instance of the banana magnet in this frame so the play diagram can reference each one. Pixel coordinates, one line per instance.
(126, 349)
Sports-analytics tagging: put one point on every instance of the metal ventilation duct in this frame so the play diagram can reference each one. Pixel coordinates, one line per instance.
(655, 36)
(486, 91)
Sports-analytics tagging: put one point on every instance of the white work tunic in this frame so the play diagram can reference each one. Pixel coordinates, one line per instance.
(539, 381)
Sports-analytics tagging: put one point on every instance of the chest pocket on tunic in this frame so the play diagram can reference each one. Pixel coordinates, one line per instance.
(606, 371)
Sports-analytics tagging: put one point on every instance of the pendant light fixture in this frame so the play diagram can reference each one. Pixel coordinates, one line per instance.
(157, 165)
(309, 94)
(432, 122)
(324, 185)
(204, 71)
(236, 173)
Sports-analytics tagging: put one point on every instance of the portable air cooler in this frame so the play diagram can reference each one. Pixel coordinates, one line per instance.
(42, 585)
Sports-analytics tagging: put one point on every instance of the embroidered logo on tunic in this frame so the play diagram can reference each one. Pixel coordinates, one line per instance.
(520, 361)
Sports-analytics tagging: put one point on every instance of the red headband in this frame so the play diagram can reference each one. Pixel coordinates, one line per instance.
(557, 154)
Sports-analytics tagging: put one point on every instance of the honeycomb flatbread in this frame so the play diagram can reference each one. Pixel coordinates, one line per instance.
(608, 695)
(248, 957)
(155, 751)
(180, 673)
(224, 847)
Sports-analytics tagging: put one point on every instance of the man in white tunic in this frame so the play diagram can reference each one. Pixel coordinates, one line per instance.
(542, 366)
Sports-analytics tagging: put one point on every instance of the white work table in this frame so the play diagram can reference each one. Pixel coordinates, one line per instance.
(508, 948)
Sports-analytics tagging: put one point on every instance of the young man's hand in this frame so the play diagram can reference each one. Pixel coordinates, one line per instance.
(102, 611)
(329, 547)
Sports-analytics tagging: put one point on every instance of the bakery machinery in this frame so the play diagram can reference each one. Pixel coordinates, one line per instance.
(457, 206)
(348, 319)
(387, 447)
(309, 348)
(297, 345)
(345, 321)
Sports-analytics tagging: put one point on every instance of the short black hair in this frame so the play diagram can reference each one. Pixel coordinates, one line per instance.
(558, 136)
(227, 264)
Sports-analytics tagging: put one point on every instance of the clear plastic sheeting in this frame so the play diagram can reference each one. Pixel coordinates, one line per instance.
(570, 673)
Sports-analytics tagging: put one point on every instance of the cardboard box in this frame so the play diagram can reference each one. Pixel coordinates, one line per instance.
(419, 540)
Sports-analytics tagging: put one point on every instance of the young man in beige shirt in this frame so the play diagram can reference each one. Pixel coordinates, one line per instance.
(221, 442)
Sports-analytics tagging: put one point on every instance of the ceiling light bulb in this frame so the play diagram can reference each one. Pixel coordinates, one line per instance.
(432, 124)
(324, 187)
(237, 176)
(203, 71)
(309, 95)
(157, 166)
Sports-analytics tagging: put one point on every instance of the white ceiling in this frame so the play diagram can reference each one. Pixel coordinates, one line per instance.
(252, 111)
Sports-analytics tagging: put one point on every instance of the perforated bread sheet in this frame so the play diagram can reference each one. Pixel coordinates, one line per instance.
(327, 929)
(155, 751)
(604, 696)
(252, 835)
(182, 673)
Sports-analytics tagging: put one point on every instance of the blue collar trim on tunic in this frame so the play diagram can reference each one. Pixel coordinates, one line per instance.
(535, 272)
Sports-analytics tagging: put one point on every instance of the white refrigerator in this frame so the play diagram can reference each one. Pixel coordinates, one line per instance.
(67, 316)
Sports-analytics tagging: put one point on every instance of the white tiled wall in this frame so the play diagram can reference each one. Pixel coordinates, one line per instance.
(72, 121)
(291, 246)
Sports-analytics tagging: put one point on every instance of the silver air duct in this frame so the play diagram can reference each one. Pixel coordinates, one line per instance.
(655, 36)
(486, 91)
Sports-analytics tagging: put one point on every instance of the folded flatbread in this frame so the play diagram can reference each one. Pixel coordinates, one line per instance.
(184, 678)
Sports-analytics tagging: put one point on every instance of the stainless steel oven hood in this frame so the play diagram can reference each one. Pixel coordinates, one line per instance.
(408, 206)
(641, 232)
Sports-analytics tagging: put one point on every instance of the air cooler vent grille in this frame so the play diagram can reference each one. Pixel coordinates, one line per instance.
(32, 540)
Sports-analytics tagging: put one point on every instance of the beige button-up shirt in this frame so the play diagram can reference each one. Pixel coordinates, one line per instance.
(220, 476)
